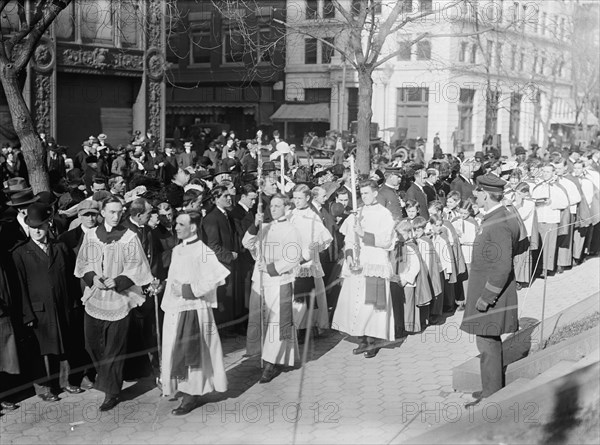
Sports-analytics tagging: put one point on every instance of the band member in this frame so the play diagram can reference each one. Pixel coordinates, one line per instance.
(192, 357)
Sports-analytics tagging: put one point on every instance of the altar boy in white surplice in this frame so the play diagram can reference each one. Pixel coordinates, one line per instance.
(364, 307)
(192, 357)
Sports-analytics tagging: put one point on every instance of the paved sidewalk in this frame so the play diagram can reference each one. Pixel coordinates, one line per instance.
(403, 392)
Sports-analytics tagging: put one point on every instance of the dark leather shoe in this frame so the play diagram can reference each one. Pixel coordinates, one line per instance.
(560, 269)
(109, 403)
(269, 373)
(372, 353)
(473, 403)
(362, 347)
(73, 389)
(48, 397)
(8, 406)
(188, 404)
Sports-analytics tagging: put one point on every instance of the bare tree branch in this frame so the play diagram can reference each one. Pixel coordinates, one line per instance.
(31, 40)
(320, 39)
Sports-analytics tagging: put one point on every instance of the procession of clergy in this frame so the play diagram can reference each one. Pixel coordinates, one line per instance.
(383, 265)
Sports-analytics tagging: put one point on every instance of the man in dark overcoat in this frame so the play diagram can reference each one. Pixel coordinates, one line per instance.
(491, 307)
(388, 193)
(416, 190)
(42, 266)
(218, 233)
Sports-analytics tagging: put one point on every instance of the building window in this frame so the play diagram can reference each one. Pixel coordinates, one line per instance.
(404, 52)
(407, 7)
(562, 29)
(413, 94)
(490, 51)
(543, 23)
(96, 22)
(465, 114)
(328, 9)
(355, 8)
(327, 51)
(515, 117)
(561, 67)
(462, 54)
(498, 54)
(233, 47)
(311, 10)
(426, 5)
(535, 18)
(376, 7)
(535, 64)
(474, 53)
(65, 22)
(513, 57)
(317, 95)
(542, 65)
(424, 50)
(522, 62)
(491, 112)
(201, 45)
(310, 51)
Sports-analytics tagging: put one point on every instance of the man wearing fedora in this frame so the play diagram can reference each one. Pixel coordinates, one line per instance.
(42, 265)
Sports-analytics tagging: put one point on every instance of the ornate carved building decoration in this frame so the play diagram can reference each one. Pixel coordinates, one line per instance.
(79, 59)
(42, 82)
(155, 62)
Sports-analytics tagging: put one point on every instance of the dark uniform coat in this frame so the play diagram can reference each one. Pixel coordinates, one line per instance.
(388, 197)
(462, 186)
(415, 193)
(45, 293)
(492, 276)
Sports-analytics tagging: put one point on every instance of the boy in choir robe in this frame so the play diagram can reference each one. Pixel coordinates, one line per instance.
(410, 283)
(434, 268)
(466, 229)
(458, 261)
(412, 209)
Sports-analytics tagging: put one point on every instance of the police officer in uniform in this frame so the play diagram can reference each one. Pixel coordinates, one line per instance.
(491, 308)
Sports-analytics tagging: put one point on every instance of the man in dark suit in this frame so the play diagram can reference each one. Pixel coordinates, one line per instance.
(491, 308)
(142, 327)
(388, 193)
(218, 234)
(243, 217)
(330, 256)
(42, 266)
(433, 176)
(87, 211)
(80, 157)
(463, 183)
(416, 192)
(154, 163)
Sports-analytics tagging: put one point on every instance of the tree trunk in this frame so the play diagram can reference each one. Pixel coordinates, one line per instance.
(365, 113)
(31, 144)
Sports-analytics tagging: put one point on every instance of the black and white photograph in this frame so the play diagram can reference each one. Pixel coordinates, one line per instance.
(299, 222)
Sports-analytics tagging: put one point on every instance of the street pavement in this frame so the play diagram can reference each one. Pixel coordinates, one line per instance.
(401, 393)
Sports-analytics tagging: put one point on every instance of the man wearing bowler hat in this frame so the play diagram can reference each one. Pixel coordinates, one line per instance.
(491, 308)
(42, 265)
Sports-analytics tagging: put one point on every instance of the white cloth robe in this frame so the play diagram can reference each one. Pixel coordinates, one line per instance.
(352, 315)
(195, 264)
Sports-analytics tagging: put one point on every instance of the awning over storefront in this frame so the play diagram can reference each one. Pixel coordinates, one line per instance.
(209, 108)
(302, 113)
(564, 114)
